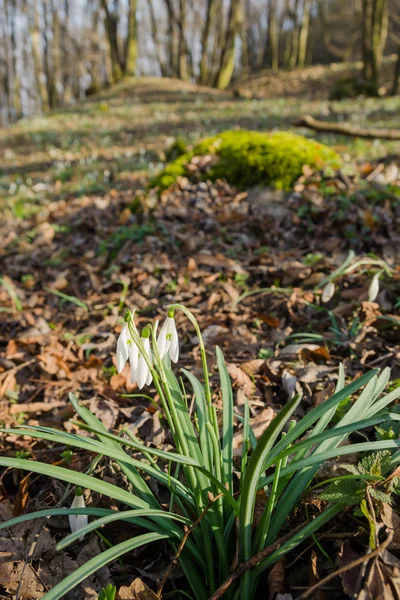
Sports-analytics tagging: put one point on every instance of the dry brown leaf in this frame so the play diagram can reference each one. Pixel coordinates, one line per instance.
(241, 379)
(318, 355)
(136, 591)
(276, 578)
(392, 521)
(273, 322)
(22, 497)
(258, 425)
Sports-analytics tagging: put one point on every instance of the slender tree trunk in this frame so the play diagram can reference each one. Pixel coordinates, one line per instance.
(273, 36)
(374, 34)
(56, 59)
(173, 40)
(39, 75)
(294, 40)
(183, 49)
(303, 33)
(16, 96)
(218, 43)
(228, 54)
(205, 36)
(131, 40)
(111, 26)
(396, 79)
(156, 40)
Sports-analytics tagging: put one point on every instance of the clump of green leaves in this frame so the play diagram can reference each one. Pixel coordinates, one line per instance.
(212, 495)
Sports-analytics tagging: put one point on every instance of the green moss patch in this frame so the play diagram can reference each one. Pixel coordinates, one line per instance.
(247, 158)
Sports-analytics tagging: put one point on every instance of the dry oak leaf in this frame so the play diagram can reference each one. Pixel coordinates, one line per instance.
(136, 591)
(241, 379)
(258, 425)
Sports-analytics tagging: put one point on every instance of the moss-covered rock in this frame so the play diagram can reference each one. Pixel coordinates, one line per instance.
(248, 158)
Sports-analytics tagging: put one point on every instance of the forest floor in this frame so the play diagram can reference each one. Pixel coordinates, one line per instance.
(82, 241)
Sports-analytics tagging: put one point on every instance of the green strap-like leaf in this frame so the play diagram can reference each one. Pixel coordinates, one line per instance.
(249, 488)
(96, 563)
(125, 515)
(227, 420)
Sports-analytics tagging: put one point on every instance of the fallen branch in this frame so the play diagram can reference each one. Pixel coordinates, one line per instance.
(347, 129)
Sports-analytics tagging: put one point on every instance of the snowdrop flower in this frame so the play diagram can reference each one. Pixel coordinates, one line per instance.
(373, 289)
(126, 348)
(141, 374)
(167, 340)
(123, 347)
(78, 521)
(328, 291)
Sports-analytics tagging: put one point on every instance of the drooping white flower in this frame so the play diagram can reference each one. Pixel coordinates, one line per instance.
(142, 374)
(373, 289)
(328, 291)
(123, 347)
(126, 346)
(77, 522)
(168, 340)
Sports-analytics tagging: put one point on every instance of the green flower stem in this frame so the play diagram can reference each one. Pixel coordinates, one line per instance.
(194, 322)
(193, 478)
(138, 341)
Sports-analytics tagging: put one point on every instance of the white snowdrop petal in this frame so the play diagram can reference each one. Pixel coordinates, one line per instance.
(122, 348)
(142, 371)
(328, 292)
(174, 347)
(133, 355)
(373, 289)
(81, 522)
(162, 341)
(77, 522)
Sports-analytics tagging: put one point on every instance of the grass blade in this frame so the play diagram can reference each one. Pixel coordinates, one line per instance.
(72, 299)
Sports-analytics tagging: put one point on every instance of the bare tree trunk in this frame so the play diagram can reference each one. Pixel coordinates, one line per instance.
(111, 27)
(395, 86)
(16, 95)
(56, 59)
(228, 54)
(131, 40)
(183, 49)
(209, 21)
(156, 40)
(273, 35)
(303, 34)
(39, 75)
(294, 40)
(173, 40)
(218, 43)
(374, 34)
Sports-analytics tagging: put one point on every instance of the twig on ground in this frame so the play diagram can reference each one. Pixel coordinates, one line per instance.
(348, 567)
